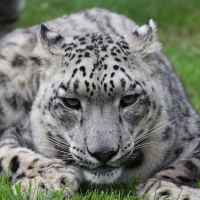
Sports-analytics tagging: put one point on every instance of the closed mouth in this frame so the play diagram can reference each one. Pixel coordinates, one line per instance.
(103, 174)
(102, 170)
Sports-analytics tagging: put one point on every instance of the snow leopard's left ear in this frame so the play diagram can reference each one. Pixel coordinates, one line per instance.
(48, 43)
(145, 39)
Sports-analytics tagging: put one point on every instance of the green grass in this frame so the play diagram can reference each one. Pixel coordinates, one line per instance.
(119, 192)
(178, 30)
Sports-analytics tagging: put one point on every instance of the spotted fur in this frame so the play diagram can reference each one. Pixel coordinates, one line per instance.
(107, 106)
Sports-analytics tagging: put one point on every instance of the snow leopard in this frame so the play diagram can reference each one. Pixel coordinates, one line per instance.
(89, 100)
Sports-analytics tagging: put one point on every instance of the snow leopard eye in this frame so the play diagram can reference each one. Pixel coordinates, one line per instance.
(71, 103)
(129, 100)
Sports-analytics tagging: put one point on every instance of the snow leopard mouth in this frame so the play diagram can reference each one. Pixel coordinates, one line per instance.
(103, 175)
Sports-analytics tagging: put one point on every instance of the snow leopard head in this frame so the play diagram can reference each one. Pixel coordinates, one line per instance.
(97, 98)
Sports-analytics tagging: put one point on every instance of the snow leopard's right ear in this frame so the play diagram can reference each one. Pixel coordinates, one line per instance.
(48, 43)
(146, 38)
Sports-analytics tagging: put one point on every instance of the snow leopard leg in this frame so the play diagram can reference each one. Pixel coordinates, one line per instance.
(9, 12)
(34, 169)
(176, 181)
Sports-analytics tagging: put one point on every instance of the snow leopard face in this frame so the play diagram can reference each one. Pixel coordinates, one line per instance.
(97, 99)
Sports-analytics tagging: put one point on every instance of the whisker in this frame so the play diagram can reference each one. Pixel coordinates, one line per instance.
(52, 141)
(151, 129)
(150, 132)
(145, 145)
(60, 142)
(54, 149)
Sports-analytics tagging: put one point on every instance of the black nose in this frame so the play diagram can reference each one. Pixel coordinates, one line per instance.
(103, 157)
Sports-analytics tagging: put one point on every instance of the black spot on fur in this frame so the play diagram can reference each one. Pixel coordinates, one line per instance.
(35, 160)
(19, 61)
(186, 198)
(81, 39)
(87, 86)
(178, 151)
(168, 178)
(112, 74)
(72, 57)
(93, 86)
(185, 179)
(87, 54)
(112, 83)
(117, 59)
(42, 186)
(13, 100)
(30, 167)
(89, 48)
(169, 167)
(76, 85)
(115, 67)
(3, 78)
(104, 47)
(78, 61)
(91, 75)
(122, 69)
(166, 193)
(190, 166)
(82, 68)
(113, 54)
(20, 176)
(57, 39)
(123, 84)
(14, 164)
(63, 86)
(63, 46)
(105, 87)
(63, 181)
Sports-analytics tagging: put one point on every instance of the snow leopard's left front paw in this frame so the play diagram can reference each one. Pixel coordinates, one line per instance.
(160, 189)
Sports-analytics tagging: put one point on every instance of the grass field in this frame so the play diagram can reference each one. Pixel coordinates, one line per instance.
(178, 24)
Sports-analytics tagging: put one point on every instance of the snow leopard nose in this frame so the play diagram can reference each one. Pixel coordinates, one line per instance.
(103, 157)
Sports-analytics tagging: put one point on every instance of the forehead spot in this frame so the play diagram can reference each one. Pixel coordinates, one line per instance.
(115, 67)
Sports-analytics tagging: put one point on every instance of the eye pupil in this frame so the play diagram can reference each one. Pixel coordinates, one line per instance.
(129, 100)
(71, 103)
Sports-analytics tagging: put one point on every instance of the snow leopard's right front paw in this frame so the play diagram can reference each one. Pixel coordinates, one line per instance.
(47, 175)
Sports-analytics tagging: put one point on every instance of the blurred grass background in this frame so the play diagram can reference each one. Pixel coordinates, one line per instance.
(178, 24)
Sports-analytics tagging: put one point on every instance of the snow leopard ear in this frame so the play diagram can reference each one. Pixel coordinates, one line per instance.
(48, 43)
(146, 38)
(48, 37)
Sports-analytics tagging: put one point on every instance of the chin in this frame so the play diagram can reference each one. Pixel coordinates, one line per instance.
(102, 175)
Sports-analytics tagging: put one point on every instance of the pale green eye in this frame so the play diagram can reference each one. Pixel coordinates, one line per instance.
(129, 100)
(71, 103)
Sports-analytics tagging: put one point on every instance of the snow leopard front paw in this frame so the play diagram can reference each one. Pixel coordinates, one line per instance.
(155, 189)
(47, 175)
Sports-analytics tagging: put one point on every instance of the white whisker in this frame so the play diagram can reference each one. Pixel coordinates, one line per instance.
(152, 131)
(145, 145)
(61, 143)
(52, 141)
(54, 149)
